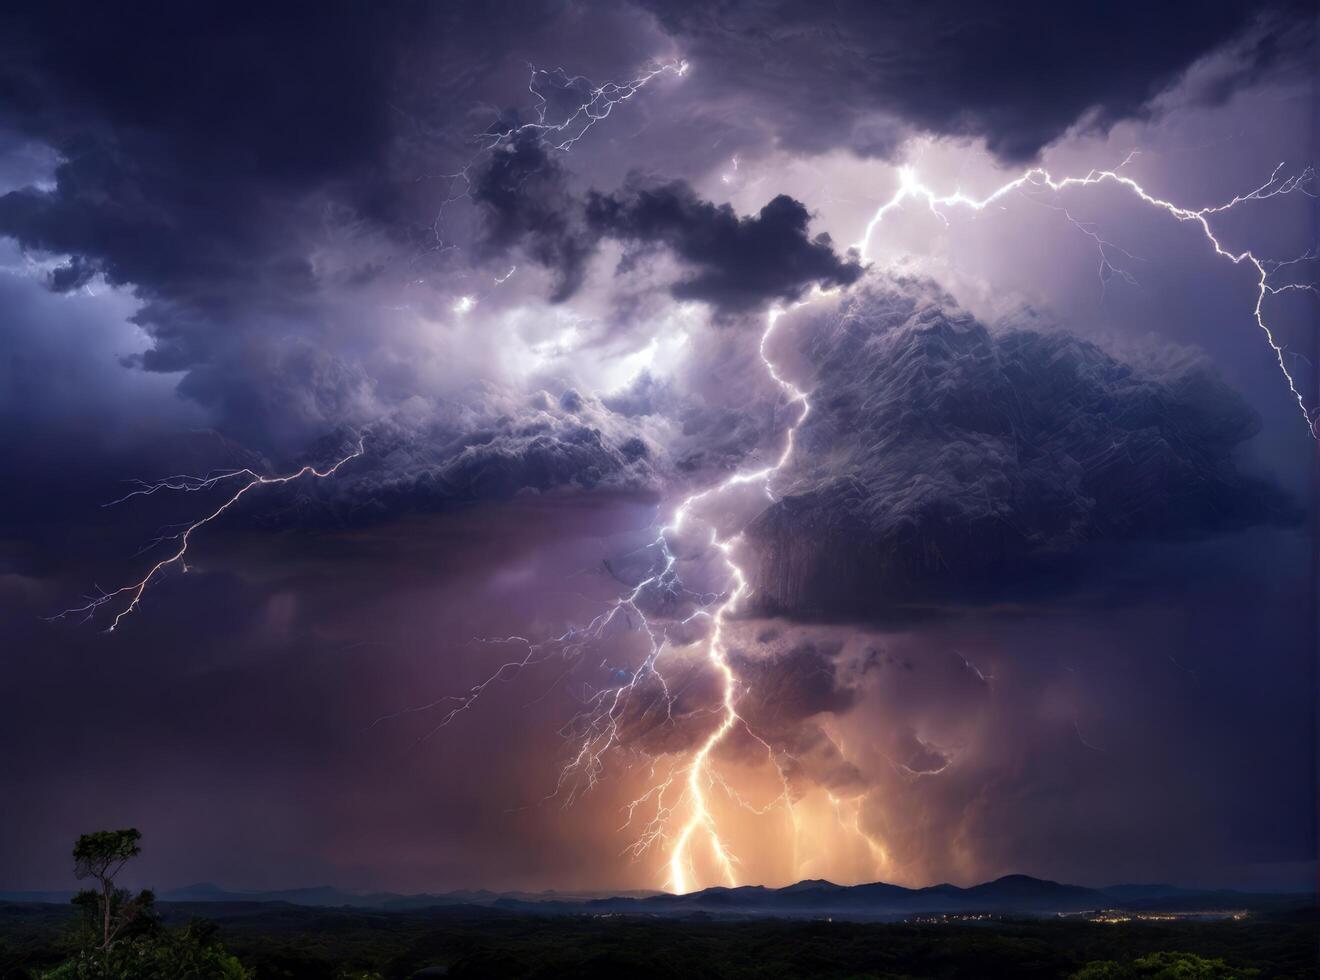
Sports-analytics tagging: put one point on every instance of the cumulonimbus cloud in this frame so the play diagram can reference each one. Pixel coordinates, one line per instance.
(943, 459)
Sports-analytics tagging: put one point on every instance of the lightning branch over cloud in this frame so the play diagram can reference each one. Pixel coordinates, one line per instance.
(594, 104)
(600, 101)
(911, 187)
(246, 480)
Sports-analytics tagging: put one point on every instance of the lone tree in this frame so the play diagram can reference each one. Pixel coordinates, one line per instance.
(102, 855)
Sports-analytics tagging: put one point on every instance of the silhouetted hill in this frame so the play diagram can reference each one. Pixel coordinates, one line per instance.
(1014, 893)
(810, 898)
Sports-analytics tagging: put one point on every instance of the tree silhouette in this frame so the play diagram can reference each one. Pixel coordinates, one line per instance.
(101, 855)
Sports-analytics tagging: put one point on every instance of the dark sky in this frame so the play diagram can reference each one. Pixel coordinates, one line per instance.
(1035, 590)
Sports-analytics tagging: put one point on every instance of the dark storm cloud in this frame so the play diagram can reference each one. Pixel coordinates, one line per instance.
(251, 174)
(787, 683)
(191, 135)
(540, 449)
(734, 263)
(1073, 716)
(202, 152)
(74, 274)
(941, 458)
(1015, 75)
(495, 452)
(737, 263)
(522, 193)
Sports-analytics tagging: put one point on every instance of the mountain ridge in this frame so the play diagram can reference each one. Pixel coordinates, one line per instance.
(1008, 894)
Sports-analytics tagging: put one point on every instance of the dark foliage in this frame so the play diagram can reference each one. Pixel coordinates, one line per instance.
(275, 940)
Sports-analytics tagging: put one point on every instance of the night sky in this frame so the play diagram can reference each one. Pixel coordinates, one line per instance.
(999, 552)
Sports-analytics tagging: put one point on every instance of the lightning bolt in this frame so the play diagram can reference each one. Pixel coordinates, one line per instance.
(700, 820)
(911, 187)
(597, 728)
(246, 479)
(848, 814)
(599, 101)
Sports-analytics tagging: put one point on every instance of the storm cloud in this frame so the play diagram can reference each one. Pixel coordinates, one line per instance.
(737, 263)
(263, 183)
(268, 184)
(734, 263)
(943, 459)
(859, 75)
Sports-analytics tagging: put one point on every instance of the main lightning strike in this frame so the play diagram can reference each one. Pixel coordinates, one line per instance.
(250, 480)
(911, 187)
(597, 727)
(700, 818)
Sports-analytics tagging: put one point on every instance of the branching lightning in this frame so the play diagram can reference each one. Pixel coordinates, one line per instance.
(598, 102)
(597, 728)
(1039, 179)
(246, 480)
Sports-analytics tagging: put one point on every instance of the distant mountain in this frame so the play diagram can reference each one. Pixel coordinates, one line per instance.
(1022, 892)
(811, 898)
(1014, 893)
